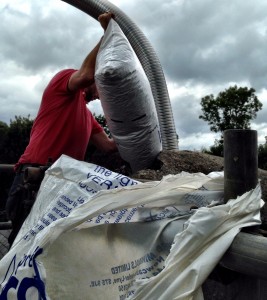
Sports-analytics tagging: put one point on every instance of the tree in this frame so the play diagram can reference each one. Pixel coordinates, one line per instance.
(216, 149)
(233, 108)
(17, 136)
(3, 139)
(262, 155)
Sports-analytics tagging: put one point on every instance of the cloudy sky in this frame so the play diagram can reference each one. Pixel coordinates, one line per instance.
(204, 47)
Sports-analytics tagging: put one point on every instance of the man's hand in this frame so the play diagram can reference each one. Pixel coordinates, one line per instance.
(105, 18)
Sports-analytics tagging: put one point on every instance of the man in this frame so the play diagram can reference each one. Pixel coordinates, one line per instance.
(64, 125)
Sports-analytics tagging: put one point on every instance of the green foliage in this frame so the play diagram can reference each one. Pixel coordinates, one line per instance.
(3, 134)
(262, 156)
(14, 138)
(233, 108)
(216, 149)
(102, 121)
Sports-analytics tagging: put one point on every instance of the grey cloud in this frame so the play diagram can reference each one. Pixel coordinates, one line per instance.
(199, 43)
(209, 41)
(39, 41)
(186, 113)
(261, 115)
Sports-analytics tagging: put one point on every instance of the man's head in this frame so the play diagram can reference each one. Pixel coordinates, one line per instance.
(90, 93)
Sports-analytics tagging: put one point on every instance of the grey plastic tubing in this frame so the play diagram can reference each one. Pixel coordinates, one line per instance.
(148, 59)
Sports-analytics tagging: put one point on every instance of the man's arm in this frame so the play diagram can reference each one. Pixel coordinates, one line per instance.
(84, 77)
(103, 142)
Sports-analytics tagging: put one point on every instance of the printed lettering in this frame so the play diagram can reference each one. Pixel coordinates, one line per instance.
(103, 171)
(124, 181)
(45, 221)
(66, 199)
(120, 215)
(95, 283)
(121, 268)
(106, 281)
(80, 200)
(108, 183)
(64, 206)
(27, 282)
(52, 217)
(56, 210)
(87, 188)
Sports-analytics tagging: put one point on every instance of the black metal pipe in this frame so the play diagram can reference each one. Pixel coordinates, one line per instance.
(240, 162)
(6, 168)
(247, 255)
(5, 226)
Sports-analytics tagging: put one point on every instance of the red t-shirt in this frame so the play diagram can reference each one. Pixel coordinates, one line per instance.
(63, 125)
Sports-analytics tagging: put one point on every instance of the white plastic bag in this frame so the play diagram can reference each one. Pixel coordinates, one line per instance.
(127, 100)
(96, 234)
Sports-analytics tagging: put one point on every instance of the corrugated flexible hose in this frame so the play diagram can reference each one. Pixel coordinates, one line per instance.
(149, 61)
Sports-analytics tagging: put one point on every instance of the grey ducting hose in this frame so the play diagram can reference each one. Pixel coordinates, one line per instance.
(148, 60)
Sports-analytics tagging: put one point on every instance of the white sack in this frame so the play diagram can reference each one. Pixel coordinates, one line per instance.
(96, 234)
(127, 100)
